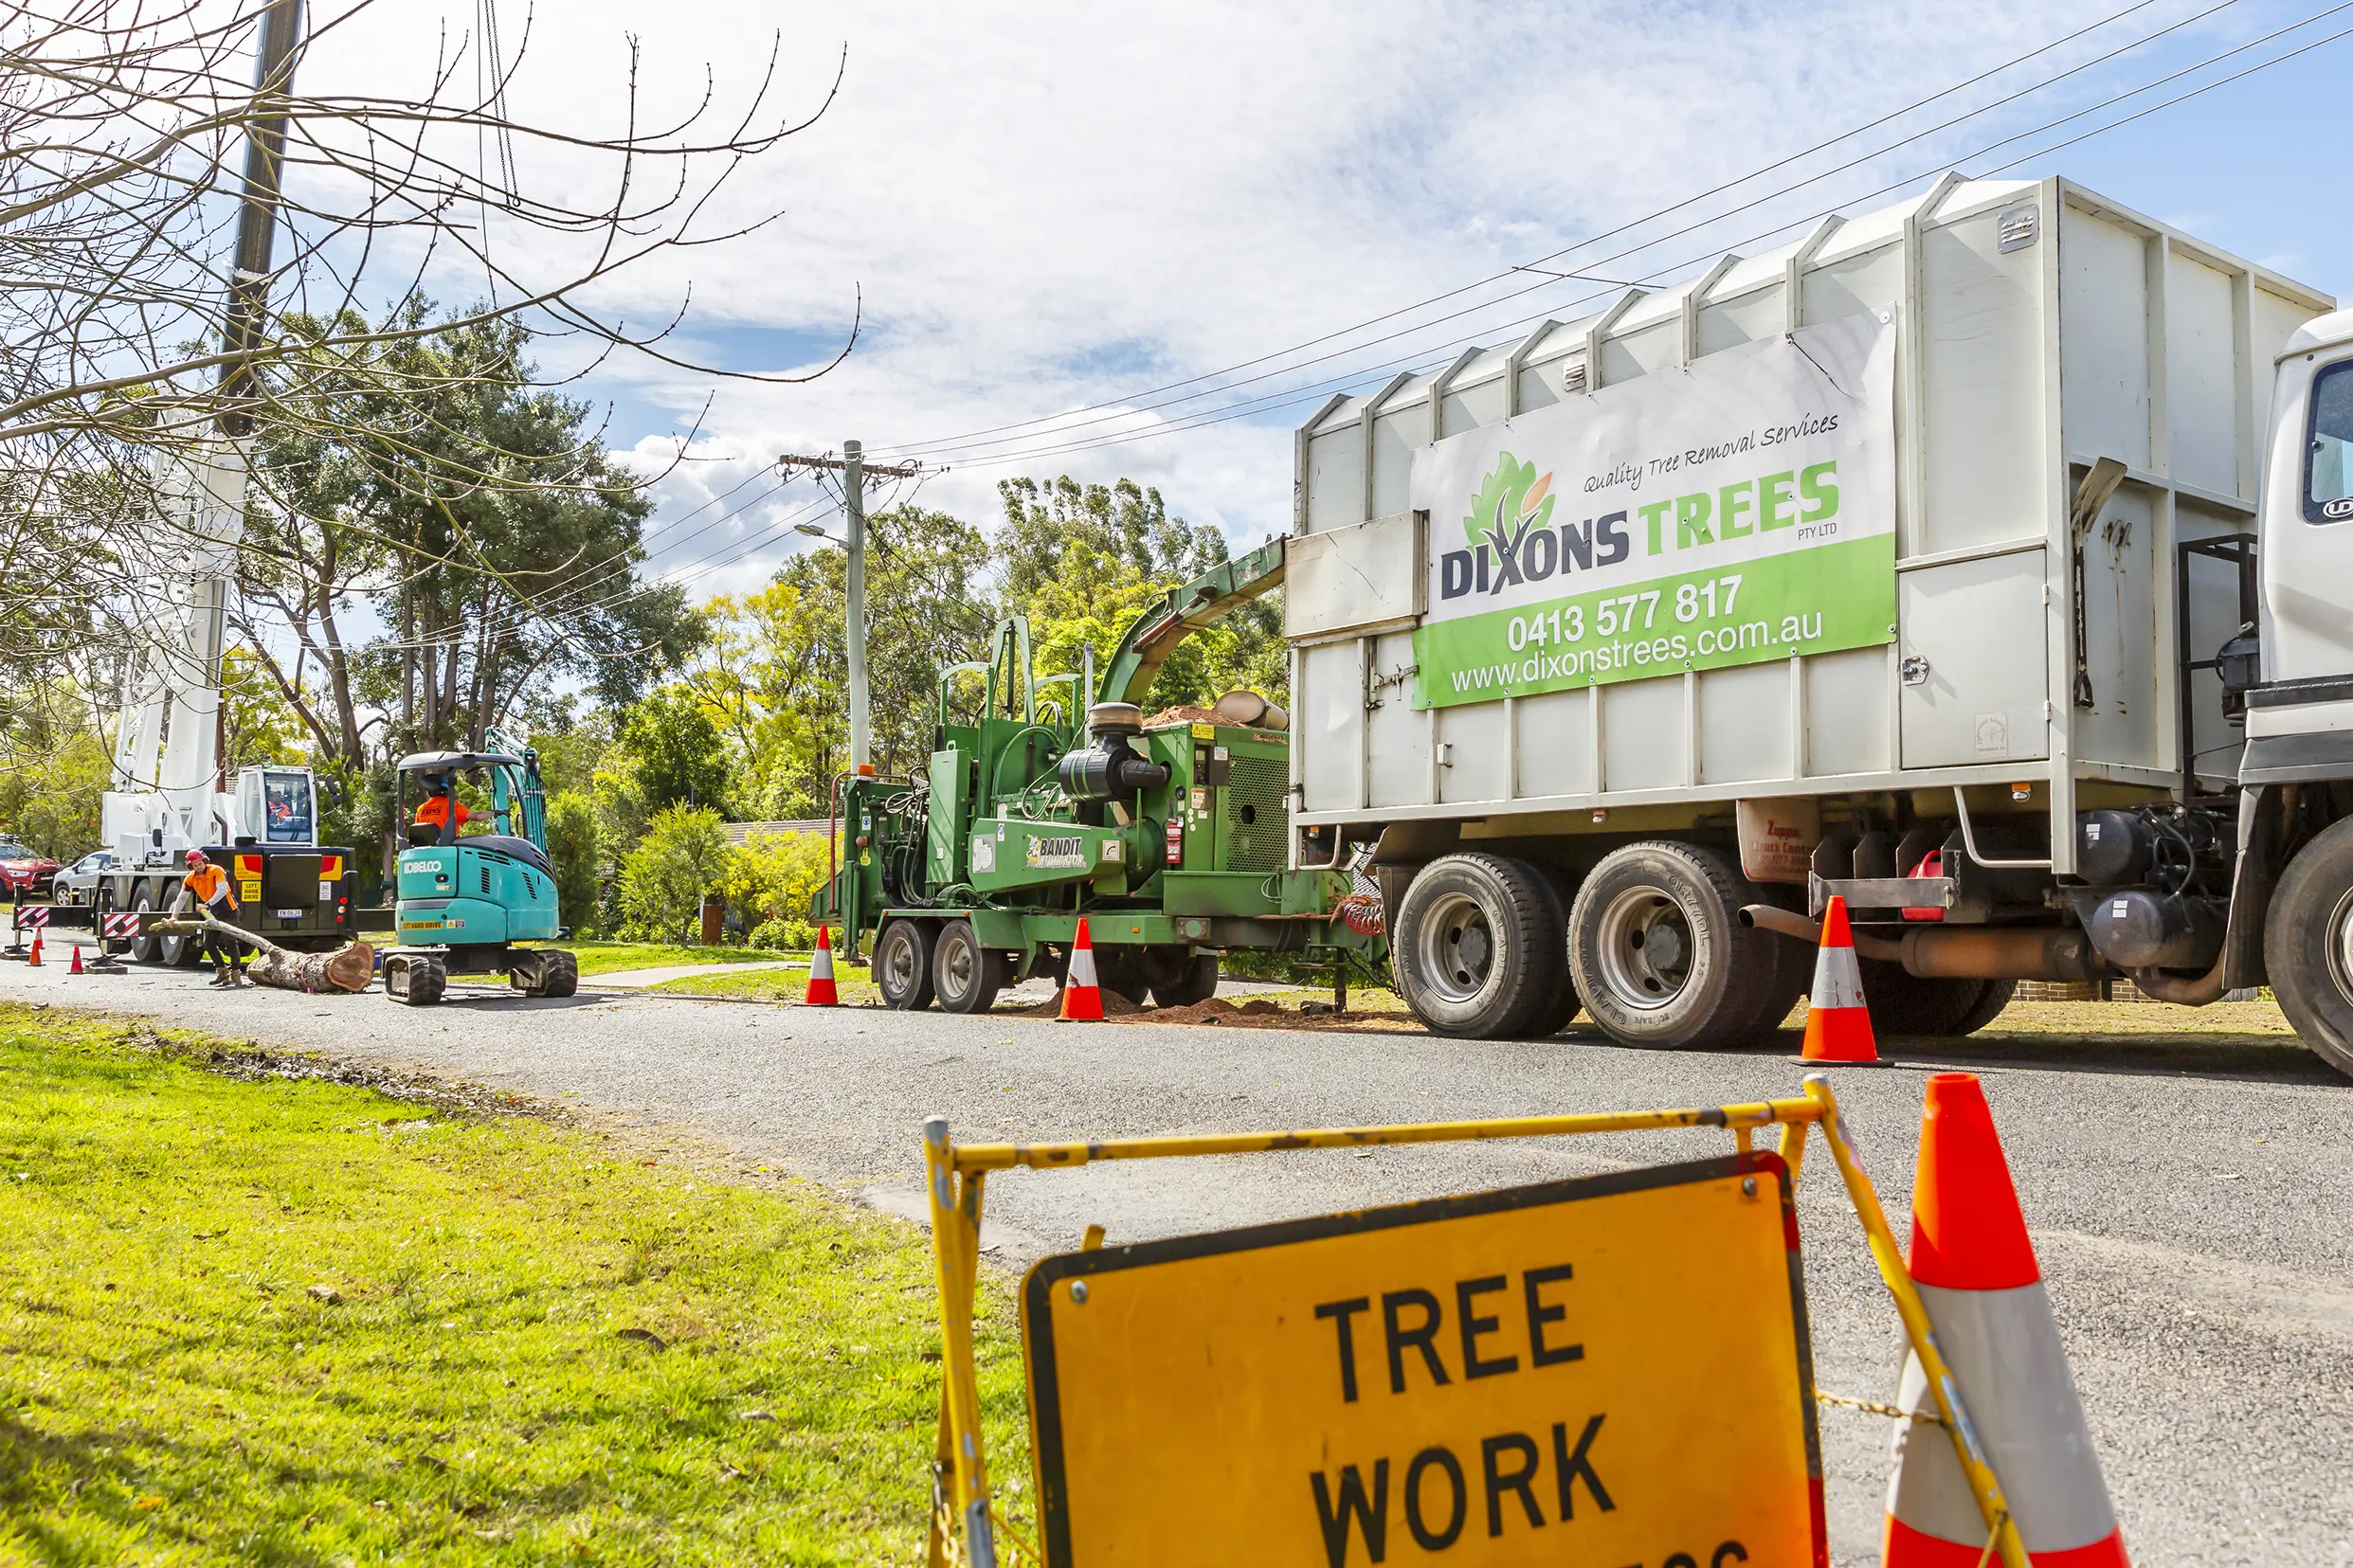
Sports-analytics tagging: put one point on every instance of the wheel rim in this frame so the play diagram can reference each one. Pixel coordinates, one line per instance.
(956, 967)
(2341, 946)
(1455, 947)
(1645, 949)
(898, 965)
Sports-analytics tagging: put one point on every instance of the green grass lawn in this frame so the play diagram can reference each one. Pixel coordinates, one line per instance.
(609, 958)
(258, 1318)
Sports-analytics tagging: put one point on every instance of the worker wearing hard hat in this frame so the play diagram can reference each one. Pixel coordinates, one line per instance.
(205, 886)
(443, 809)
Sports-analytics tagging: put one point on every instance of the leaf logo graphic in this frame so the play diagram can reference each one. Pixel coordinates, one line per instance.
(1513, 502)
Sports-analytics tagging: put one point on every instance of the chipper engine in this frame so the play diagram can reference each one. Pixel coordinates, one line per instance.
(1170, 836)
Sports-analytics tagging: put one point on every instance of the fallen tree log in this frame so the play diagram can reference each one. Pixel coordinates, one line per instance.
(347, 969)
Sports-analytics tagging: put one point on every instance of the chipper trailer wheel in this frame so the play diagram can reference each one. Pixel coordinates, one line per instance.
(1660, 954)
(415, 979)
(1479, 948)
(2308, 944)
(964, 975)
(902, 965)
(1179, 979)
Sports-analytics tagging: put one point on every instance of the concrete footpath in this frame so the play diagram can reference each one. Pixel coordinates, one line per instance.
(2189, 1206)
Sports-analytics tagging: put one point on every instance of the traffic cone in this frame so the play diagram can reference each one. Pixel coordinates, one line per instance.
(1082, 998)
(34, 959)
(821, 992)
(74, 968)
(1977, 1274)
(1838, 1024)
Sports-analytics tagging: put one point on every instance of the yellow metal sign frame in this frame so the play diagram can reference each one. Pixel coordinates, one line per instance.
(964, 1527)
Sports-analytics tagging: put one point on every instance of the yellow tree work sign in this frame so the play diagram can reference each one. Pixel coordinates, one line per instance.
(1611, 1370)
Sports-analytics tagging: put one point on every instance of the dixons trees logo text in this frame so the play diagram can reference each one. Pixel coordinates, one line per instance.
(1512, 540)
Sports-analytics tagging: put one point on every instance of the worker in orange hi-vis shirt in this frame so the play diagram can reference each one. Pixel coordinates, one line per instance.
(207, 887)
(436, 811)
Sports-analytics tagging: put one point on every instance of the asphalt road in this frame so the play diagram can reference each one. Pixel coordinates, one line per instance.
(2189, 1206)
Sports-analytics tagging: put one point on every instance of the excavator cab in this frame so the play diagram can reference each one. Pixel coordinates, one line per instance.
(465, 899)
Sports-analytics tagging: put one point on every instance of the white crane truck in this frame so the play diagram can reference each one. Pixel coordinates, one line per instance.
(1985, 559)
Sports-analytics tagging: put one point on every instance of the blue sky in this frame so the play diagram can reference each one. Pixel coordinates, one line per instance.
(1048, 207)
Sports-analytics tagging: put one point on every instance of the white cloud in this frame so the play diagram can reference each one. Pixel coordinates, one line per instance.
(1046, 205)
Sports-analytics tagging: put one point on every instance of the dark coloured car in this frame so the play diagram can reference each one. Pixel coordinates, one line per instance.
(24, 872)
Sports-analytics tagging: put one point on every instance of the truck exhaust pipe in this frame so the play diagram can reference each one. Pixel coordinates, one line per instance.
(2049, 953)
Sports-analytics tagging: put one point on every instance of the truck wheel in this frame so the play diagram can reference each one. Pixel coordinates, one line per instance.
(1476, 942)
(1902, 1003)
(414, 980)
(965, 975)
(142, 947)
(1561, 1010)
(1197, 982)
(179, 953)
(2307, 946)
(1659, 956)
(902, 965)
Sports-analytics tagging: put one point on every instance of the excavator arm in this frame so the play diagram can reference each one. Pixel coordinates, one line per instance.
(1187, 609)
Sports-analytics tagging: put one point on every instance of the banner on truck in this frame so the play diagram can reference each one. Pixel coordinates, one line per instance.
(1738, 510)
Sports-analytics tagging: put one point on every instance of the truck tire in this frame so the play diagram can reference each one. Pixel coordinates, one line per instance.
(146, 946)
(964, 975)
(902, 965)
(1659, 955)
(1476, 941)
(414, 980)
(2307, 946)
(1180, 980)
(1902, 1003)
(1561, 1010)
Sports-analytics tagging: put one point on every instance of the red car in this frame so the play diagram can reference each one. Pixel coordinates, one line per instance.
(24, 874)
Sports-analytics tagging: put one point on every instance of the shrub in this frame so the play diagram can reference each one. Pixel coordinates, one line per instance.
(683, 855)
(773, 878)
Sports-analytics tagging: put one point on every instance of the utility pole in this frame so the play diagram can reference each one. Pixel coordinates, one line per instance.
(854, 476)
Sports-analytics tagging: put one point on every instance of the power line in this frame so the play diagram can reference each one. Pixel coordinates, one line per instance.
(1418, 359)
(1122, 408)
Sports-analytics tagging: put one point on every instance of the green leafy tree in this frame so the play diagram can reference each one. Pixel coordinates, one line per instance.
(774, 676)
(1084, 561)
(54, 764)
(683, 855)
(673, 754)
(576, 845)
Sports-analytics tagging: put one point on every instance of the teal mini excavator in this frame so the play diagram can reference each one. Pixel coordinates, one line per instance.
(464, 901)
(1060, 800)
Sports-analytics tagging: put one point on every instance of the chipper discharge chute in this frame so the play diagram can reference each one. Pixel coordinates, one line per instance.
(1171, 838)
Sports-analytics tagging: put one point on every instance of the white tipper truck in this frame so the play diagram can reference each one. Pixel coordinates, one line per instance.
(1985, 559)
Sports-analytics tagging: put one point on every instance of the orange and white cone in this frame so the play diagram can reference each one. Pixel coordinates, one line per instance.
(1976, 1271)
(822, 992)
(1082, 995)
(1838, 1024)
(34, 957)
(74, 968)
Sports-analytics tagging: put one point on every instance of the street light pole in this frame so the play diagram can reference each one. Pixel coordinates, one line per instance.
(854, 638)
(855, 475)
